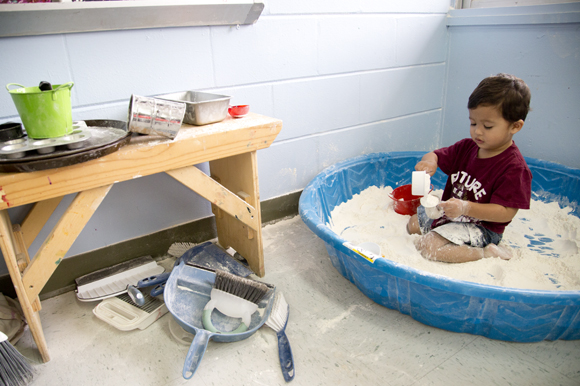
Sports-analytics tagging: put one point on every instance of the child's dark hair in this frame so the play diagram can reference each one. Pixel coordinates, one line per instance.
(509, 93)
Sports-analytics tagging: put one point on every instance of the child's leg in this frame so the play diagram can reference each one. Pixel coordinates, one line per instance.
(413, 227)
(501, 251)
(419, 223)
(433, 246)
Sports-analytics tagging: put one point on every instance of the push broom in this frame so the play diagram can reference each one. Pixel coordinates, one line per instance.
(14, 369)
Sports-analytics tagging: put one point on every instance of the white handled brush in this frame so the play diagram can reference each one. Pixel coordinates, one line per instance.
(234, 296)
(277, 321)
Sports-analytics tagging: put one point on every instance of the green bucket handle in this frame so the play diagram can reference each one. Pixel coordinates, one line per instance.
(58, 88)
(13, 84)
(64, 85)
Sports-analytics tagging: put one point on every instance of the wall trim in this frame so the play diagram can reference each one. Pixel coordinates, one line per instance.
(539, 14)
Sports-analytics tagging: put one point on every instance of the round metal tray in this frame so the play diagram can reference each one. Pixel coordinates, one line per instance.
(107, 136)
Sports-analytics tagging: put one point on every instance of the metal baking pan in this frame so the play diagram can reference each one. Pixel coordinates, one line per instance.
(202, 108)
(19, 148)
(107, 136)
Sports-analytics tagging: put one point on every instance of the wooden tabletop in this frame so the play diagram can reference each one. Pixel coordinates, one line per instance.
(143, 156)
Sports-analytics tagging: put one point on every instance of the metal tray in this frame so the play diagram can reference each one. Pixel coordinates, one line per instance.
(107, 136)
(201, 108)
(20, 147)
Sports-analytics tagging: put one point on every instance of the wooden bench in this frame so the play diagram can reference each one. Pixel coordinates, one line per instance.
(230, 148)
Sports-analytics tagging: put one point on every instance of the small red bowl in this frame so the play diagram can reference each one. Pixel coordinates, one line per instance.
(238, 111)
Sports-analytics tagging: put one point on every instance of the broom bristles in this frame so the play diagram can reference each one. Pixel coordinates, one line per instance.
(248, 289)
(14, 369)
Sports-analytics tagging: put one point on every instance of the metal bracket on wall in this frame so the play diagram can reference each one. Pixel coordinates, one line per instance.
(69, 17)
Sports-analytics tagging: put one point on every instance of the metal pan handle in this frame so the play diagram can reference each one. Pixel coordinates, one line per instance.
(195, 353)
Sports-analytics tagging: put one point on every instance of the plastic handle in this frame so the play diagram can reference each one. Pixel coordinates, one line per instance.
(285, 354)
(13, 84)
(153, 280)
(135, 295)
(158, 290)
(195, 353)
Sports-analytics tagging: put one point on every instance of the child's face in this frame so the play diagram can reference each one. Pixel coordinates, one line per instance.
(490, 131)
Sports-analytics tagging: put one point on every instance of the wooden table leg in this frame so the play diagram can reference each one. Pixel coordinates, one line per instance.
(37, 218)
(7, 244)
(239, 174)
(29, 284)
(22, 258)
(61, 238)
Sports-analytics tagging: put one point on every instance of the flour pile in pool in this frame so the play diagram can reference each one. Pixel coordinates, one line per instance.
(544, 240)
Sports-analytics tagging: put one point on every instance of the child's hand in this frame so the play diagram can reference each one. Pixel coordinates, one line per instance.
(454, 208)
(428, 166)
(428, 163)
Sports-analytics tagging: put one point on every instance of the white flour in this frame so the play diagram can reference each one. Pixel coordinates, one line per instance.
(544, 240)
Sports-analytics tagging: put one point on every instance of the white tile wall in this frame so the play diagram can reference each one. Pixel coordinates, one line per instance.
(270, 50)
(352, 43)
(342, 75)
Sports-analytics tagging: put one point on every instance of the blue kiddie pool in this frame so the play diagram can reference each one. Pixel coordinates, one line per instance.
(508, 314)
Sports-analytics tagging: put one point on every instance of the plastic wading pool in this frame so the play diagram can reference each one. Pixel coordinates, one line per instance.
(508, 314)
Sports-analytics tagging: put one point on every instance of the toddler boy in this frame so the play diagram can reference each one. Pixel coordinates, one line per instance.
(488, 178)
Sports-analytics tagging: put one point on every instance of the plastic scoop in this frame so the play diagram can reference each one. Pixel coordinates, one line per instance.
(431, 204)
(230, 305)
(421, 183)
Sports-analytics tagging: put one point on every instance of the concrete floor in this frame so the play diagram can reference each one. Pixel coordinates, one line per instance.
(338, 337)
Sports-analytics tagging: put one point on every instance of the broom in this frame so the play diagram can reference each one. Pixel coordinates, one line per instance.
(14, 369)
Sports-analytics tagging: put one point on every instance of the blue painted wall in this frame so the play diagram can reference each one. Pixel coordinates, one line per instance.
(346, 77)
(539, 44)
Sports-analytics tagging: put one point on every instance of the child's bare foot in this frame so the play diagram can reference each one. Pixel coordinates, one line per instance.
(500, 251)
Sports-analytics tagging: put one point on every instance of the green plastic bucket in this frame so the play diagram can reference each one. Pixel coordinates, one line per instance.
(45, 114)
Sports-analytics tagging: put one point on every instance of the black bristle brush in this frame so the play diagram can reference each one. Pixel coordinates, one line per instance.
(248, 289)
(14, 369)
(234, 296)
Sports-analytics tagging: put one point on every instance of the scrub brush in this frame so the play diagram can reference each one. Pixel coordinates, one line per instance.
(277, 321)
(234, 296)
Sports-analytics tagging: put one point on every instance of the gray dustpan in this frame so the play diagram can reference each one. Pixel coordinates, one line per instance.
(187, 291)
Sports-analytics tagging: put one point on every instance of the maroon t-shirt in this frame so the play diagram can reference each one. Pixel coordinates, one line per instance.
(504, 179)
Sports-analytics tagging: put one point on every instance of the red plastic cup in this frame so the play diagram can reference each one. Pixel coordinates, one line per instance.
(404, 201)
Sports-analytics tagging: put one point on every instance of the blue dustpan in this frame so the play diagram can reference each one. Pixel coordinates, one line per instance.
(187, 291)
(211, 256)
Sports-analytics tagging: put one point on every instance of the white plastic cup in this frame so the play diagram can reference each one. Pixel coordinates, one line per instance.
(373, 248)
(420, 183)
(431, 204)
